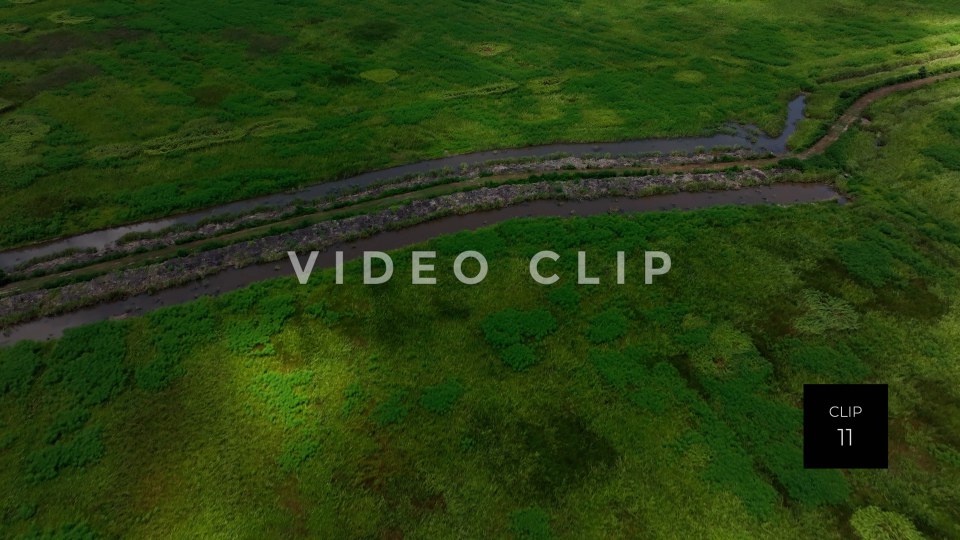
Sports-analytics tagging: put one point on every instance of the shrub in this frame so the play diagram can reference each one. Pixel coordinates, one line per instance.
(66, 423)
(18, 365)
(565, 296)
(175, 332)
(512, 332)
(85, 448)
(440, 398)
(263, 317)
(393, 410)
(531, 524)
(299, 448)
(512, 326)
(607, 326)
(89, 362)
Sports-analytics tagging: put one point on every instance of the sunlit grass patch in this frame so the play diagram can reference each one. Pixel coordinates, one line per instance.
(381, 75)
(64, 17)
(690, 76)
(479, 91)
(17, 135)
(199, 135)
(192, 141)
(13, 28)
(601, 117)
(281, 95)
(545, 85)
(490, 49)
(279, 126)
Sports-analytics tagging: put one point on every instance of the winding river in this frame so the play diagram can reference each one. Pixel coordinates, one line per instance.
(52, 327)
(746, 137)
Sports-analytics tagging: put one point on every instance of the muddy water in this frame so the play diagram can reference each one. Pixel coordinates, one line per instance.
(229, 280)
(106, 237)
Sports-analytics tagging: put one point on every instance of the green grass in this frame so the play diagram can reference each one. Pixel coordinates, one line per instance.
(109, 93)
(661, 411)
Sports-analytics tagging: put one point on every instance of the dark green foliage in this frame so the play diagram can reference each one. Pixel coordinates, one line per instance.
(565, 296)
(868, 261)
(84, 448)
(792, 163)
(25, 511)
(512, 326)
(541, 460)
(300, 447)
(18, 365)
(771, 430)
(391, 410)
(947, 154)
(353, 398)
(531, 524)
(607, 326)
(518, 356)
(321, 311)
(178, 330)
(513, 333)
(263, 316)
(76, 531)
(66, 423)
(661, 389)
(89, 362)
(839, 366)
(440, 398)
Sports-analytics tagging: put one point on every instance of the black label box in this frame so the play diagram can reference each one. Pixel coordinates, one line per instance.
(845, 426)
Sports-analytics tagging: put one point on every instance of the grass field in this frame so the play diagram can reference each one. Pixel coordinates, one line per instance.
(113, 111)
(514, 410)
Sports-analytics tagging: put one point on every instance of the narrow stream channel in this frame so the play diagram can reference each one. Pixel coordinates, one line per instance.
(229, 280)
(742, 137)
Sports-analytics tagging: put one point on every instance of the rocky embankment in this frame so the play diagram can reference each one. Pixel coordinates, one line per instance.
(133, 281)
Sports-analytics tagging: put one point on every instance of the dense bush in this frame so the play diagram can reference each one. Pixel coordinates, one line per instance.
(66, 423)
(176, 332)
(391, 410)
(513, 333)
(89, 362)
(18, 365)
(565, 296)
(440, 398)
(607, 326)
(531, 524)
(262, 316)
(84, 448)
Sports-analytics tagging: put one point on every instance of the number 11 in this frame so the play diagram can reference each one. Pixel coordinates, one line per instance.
(848, 440)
